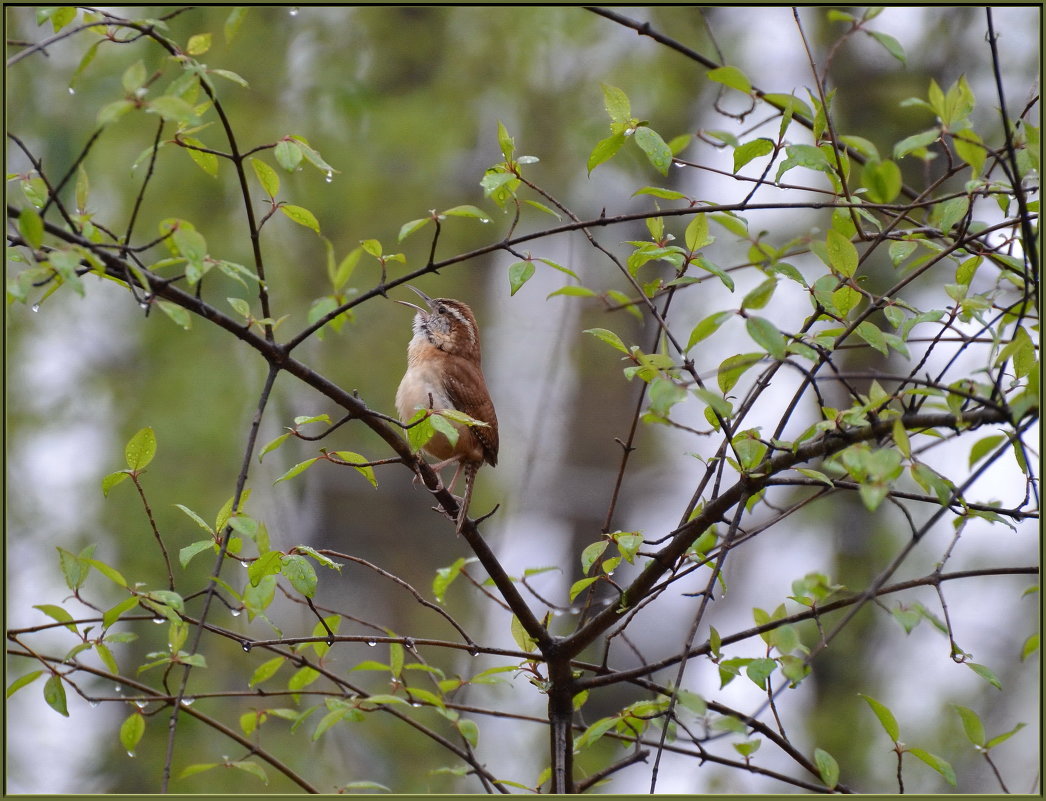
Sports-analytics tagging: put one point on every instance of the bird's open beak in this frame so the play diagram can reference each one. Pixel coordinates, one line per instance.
(426, 298)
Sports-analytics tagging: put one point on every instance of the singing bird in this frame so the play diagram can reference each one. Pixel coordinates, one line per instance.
(444, 372)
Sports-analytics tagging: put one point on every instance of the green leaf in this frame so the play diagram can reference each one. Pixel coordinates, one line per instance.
(300, 573)
(301, 215)
(751, 150)
(518, 274)
(616, 103)
(409, 228)
(969, 147)
(870, 333)
(947, 214)
(199, 44)
(935, 762)
(579, 586)
(31, 227)
(75, 567)
(609, 337)
(716, 270)
(590, 555)
(112, 480)
(827, 767)
(767, 336)
(140, 449)
(893, 47)
(983, 447)
(288, 155)
(111, 112)
(195, 517)
(267, 177)
(267, 564)
(664, 394)
(759, 670)
(469, 730)
(505, 142)
(972, 725)
(657, 152)
(206, 161)
(916, 142)
(573, 291)
(707, 327)
(732, 77)
(443, 426)
(313, 157)
(1031, 645)
(173, 109)
(252, 768)
(845, 299)
(733, 367)
(994, 741)
(58, 614)
(760, 296)
(266, 670)
(883, 180)
(696, 234)
(178, 314)
(594, 732)
(519, 634)
(133, 77)
(605, 150)
(186, 554)
(233, 22)
(54, 695)
(22, 681)
(112, 615)
(886, 718)
(131, 731)
(816, 475)
(842, 255)
(358, 463)
(199, 767)
(301, 467)
(985, 673)
(468, 211)
(110, 573)
(807, 156)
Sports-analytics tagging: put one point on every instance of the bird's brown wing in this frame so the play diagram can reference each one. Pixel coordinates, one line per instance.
(476, 403)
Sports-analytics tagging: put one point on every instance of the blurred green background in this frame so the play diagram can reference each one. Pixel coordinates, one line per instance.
(404, 103)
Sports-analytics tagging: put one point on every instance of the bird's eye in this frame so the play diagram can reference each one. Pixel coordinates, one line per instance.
(441, 309)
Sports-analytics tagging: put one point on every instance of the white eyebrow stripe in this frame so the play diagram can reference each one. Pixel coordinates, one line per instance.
(453, 309)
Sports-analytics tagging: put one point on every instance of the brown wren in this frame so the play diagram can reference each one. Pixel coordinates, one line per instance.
(444, 372)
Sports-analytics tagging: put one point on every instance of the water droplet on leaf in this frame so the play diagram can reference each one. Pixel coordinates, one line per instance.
(36, 307)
